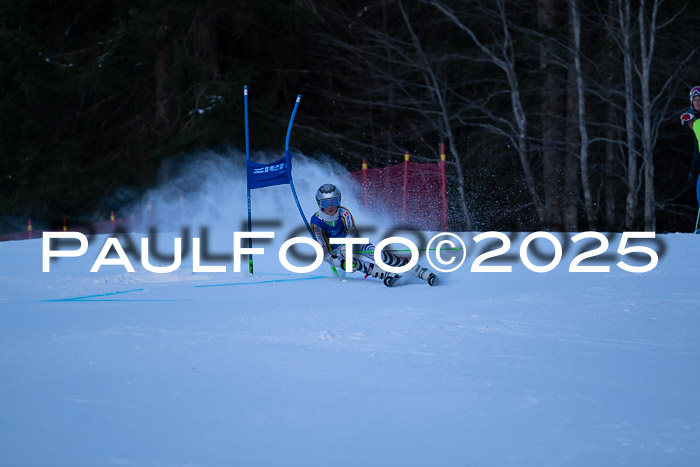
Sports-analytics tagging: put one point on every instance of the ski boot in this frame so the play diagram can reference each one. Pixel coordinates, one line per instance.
(424, 274)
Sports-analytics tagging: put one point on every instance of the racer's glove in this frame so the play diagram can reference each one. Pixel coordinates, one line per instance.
(687, 117)
(334, 260)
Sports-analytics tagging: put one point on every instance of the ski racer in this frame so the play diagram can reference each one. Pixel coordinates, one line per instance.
(691, 117)
(336, 221)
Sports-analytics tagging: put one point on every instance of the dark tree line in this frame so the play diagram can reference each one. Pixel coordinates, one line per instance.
(555, 115)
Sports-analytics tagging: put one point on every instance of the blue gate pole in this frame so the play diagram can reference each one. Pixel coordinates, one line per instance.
(288, 158)
(247, 159)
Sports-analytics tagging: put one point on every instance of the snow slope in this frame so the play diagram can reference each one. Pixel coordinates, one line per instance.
(486, 369)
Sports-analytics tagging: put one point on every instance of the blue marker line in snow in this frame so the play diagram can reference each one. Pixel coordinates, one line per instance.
(265, 282)
(103, 296)
(125, 300)
(88, 297)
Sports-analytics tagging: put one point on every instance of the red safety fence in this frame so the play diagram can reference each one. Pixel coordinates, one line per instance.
(413, 194)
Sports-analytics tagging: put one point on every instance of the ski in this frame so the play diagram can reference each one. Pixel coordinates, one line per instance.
(432, 279)
(424, 274)
(392, 280)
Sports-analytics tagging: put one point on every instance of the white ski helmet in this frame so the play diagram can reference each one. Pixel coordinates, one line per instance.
(694, 91)
(328, 195)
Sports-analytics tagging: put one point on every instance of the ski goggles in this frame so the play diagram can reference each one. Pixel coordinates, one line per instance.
(694, 92)
(328, 202)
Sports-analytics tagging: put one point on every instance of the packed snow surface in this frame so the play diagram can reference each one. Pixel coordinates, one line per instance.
(277, 368)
